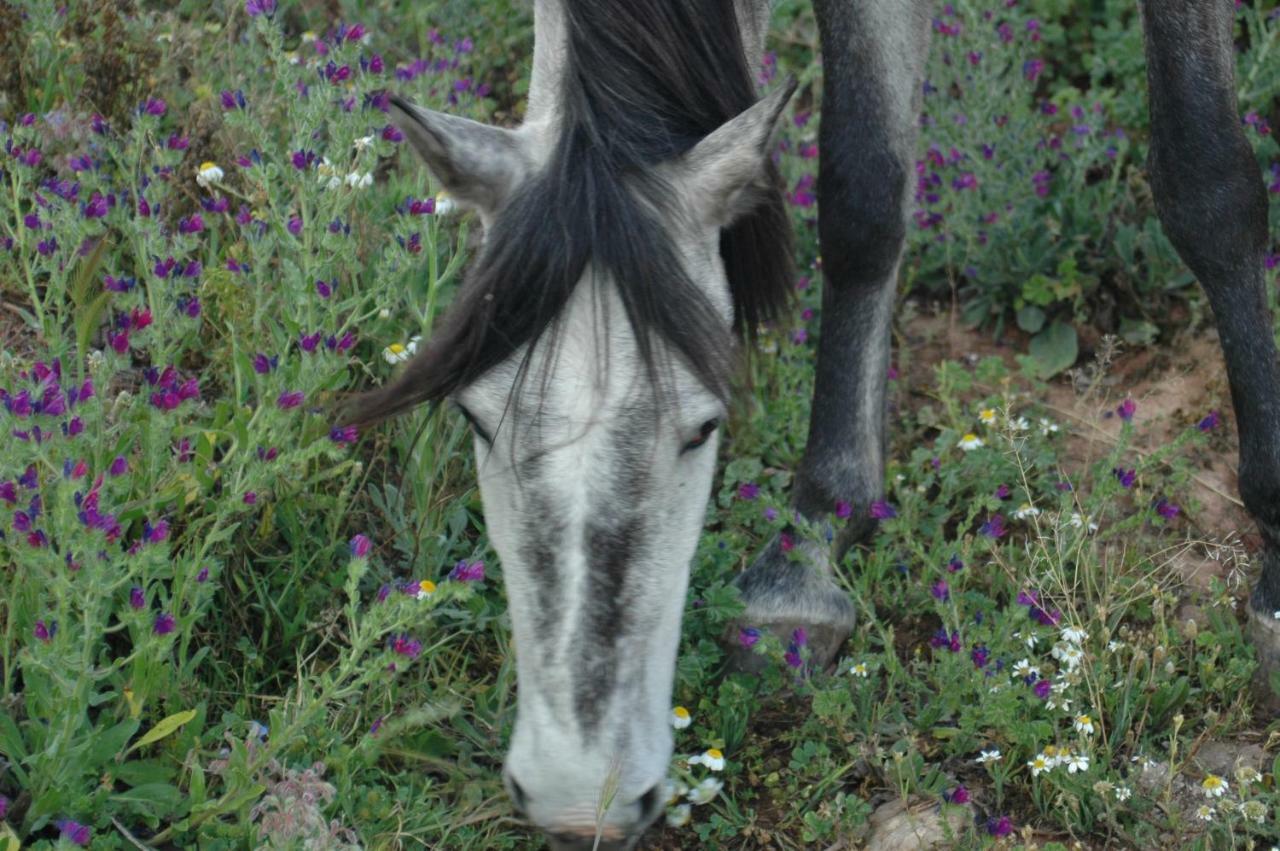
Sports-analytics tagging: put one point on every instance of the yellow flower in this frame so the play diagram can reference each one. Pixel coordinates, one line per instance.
(400, 352)
(680, 718)
(426, 588)
(208, 173)
(987, 415)
(1213, 786)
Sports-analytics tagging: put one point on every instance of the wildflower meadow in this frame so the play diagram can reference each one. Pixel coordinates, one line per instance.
(228, 622)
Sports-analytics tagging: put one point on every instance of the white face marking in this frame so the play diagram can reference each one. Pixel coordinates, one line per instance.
(594, 506)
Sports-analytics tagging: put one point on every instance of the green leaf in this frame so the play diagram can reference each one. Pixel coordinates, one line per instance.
(142, 772)
(1031, 319)
(1055, 349)
(157, 800)
(108, 743)
(164, 728)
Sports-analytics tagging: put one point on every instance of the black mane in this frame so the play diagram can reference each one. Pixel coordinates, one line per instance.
(644, 81)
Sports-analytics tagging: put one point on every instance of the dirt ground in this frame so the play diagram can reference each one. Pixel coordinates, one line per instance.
(1175, 384)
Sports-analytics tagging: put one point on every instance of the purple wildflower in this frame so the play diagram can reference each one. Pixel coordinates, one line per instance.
(343, 435)
(136, 597)
(74, 832)
(1042, 688)
(1002, 826)
(1127, 409)
(164, 624)
(748, 636)
(958, 795)
(45, 631)
(748, 490)
(290, 399)
(955, 565)
(843, 510)
(994, 527)
(980, 656)
(1210, 422)
(941, 591)
(406, 646)
(1167, 510)
(254, 8)
(882, 510)
(360, 546)
(465, 571)
(1125, 477)
(203, 576)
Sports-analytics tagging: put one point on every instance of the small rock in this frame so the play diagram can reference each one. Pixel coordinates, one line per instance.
(920, 826)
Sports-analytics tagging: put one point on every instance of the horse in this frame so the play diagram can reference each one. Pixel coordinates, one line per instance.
(635, 236)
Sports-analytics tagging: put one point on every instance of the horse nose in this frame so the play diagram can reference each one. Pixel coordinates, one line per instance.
(588, 842)
(613, 836)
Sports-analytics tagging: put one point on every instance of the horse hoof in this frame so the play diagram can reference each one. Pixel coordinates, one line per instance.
(792, 596)
(1263, 629)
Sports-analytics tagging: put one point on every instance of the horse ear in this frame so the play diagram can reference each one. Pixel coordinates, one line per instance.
(725, 175)
(479, 165)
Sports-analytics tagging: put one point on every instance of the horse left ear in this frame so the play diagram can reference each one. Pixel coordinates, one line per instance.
(724, 176)
(479, 165)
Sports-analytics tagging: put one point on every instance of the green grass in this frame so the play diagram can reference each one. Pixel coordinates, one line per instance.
(237, 514)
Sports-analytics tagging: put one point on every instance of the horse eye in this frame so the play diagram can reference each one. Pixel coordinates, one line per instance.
(475, 426)
(703, 434)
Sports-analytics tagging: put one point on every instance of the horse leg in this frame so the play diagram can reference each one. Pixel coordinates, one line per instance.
(1211, 201)
(873, 63)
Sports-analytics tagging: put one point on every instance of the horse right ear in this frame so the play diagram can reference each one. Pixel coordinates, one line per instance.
(479, 165)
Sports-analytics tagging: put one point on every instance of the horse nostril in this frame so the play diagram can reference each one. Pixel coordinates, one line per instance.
(650, 801)
(518, 798)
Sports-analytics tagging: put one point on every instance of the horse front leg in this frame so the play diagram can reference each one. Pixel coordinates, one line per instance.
(1211, 200)
(873, 61)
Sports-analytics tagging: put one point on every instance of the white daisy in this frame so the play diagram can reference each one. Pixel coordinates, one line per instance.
(1039, 765)
(1047, 427)
(1213, 786)
(1123, 793)
(970, 442)
(1024, 668)
(1205, 813)
(705, 791)
(1026, 510)
(208, 173)
(988, 756)
(364, 142)
(356, 180)
(859, 670)
(1068, 654)
(1084, 724)
(1074, 634)
(680, 718)
(679, 816)
(401, 352)
(712, 758)
(1077, 762)
(987, 415)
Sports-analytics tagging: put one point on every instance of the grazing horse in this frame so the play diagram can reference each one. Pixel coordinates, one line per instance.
(633, 223)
